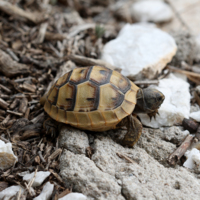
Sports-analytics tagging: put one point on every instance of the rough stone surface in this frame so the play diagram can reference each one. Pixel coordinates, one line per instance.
(74, 196)
(40, 177)
(73, 139)
(10, 192)
(7, 157)
(150, 10)
(176, 105)
(82, 173)
(46, 192)
(140, 50)
(174, 134)
(108, 176)
(186, 48)
(154, 143)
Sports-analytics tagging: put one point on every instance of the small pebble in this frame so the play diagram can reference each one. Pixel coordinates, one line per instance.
(74, 196)
(46, 192)
(40, 177)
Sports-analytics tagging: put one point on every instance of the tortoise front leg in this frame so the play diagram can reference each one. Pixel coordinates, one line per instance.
(134, 130)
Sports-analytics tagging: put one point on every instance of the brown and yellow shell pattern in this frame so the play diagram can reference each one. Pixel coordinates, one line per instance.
(92, 98)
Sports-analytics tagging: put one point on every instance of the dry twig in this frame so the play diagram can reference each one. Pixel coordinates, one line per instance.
(84, 61)
(180, 151)
(19, 13)
(126, 158)
(187, 73)
(41, 34)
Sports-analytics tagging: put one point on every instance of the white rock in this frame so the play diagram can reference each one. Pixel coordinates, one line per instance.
(191, 155)
(176, 105)
(74, 196)
(40, 177)
(10, 191)
(154, 11)
(46, 192)
(7, 157)
(195, 116)
(140, 49)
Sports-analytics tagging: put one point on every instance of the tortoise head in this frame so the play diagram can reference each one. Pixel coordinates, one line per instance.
(148, 100)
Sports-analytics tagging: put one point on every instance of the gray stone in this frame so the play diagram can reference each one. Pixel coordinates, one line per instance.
(158, 148)
(148, 176)
(139, 193)
(174, 134)
(87, 178)
(73, 139)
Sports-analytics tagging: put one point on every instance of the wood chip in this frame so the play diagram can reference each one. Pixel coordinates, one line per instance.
(27, 113)
(5, 89)
(64, 193)
(56, 176)
(54, 36)
(55, 154)
(23, 105)
(28, 87)
(12, 54)
(41, 34)
(3, 185)
(2, 112)
(29, 134)
(180, 151)
(5, 121)
(14, 104)
(15, 113)
(41, 156)
(3, 104)
(9, 67)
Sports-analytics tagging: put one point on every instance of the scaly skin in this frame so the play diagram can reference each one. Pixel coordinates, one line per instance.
(134, 130)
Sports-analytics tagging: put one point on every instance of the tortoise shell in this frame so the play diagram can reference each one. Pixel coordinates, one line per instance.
(91, 98)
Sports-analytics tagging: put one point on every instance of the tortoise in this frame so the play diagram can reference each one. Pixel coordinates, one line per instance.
(97, 98)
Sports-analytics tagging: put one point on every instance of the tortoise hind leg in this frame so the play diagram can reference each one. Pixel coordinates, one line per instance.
(51, 127)
(134, 130)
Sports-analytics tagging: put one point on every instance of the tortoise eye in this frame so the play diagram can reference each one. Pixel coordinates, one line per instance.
(161, 98)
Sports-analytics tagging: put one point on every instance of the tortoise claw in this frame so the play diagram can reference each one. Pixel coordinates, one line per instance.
(153, 114)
